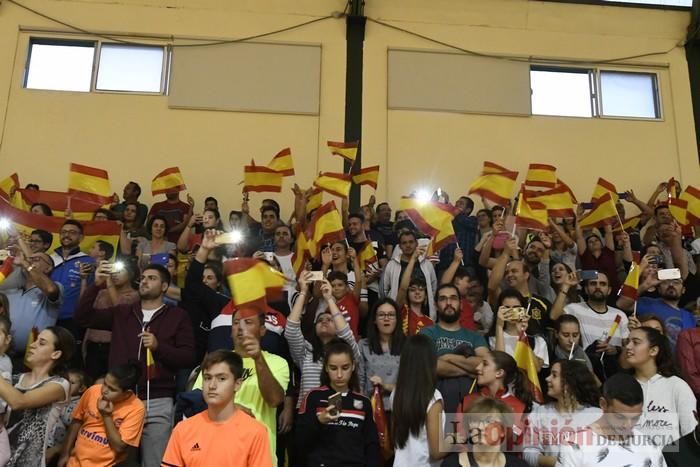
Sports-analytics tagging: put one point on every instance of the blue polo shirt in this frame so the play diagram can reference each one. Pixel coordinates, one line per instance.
(67, 273)
(31, 309)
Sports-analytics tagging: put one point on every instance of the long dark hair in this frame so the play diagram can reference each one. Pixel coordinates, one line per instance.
(663, 359)
(415, 387)
(337, 346)
(514, 379)
(578, 381)
(65, 342)
(506, 293)
(397, 337)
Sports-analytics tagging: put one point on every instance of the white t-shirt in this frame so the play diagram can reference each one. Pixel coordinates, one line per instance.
(288, 271)
(416, 452)
(592, 450)
(668, 409)
(594, 324)
(540, 349)
(549, 429)
(148, 314)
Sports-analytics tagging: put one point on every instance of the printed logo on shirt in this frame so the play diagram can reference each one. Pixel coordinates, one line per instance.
(358, 404)
(195, 447)
(247, 373)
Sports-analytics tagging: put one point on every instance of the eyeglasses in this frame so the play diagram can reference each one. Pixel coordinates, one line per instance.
(386, 316)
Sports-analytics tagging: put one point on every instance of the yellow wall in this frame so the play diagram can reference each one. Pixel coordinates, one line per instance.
(134, 137)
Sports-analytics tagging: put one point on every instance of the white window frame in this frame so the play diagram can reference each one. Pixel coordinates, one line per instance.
(97, 49)
(594, 79)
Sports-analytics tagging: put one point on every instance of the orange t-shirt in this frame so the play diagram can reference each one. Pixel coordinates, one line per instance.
(198, 441)
(91, 445)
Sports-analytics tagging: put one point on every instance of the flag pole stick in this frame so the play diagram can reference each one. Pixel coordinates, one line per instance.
(473, 386)
(571, 352)
(148, 395)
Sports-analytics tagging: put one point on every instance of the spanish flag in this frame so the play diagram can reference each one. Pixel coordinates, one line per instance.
(679, 210)
(315, 200)
(337, 184)
(25, 222)
(433, 219)
(6, 268)
(367, 176)
(557, 201)
(261, 179)
(168, 181)
(692, 196)
(569, 190)
(603, 212)
(301, 252)
(367, 256)
(493, 168)
(525, 358)
(325, 227)
(530, 215)
(631, 285)
(9, 187)
(89, 183)
(347, 151)
(150, 365)
(59, 202)
(251, 281)
(33, 336)
(494, 186)
(282, 163)
(603, 186)
(386, 448)
(541, 175)
(631, 223)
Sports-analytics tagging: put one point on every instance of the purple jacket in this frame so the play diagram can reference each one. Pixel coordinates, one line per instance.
(171, 326)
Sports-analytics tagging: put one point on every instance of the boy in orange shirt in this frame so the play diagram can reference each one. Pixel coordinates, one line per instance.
(223, 434)
(107, 421)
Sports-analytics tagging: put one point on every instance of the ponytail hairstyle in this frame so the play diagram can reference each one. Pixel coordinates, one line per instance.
(65, 343)
(664, 358)
(514, 379)
(415, 388)
(337, 346)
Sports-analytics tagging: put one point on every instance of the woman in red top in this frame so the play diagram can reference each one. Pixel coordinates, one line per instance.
(495, 374)
(598, 255)
(414, 305)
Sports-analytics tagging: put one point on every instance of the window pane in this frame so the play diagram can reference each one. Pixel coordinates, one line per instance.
(130, 68)
(560, 93)
(60, 67)
(628, 94)
(687, 3)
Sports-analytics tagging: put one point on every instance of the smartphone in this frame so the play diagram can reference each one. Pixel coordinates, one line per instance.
(656, 259)
(587, 205)
(228, 238)
(622, 195)
(668, 274)
(500, 239)
(336, 402)
(269, 256)
(117, 266)
(316, 276)
(587, 275)
(423, 241)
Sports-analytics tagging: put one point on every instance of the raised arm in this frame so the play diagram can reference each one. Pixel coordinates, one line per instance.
(449, 273)
(401, 295)
(183, 242)
(580, 241)
(499, 269)
(571, 280)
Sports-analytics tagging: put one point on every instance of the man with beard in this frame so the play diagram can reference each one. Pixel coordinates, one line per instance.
(514, 272)
(131, 194)
(596, 318)
(358, 239)
(146, 325)
(665, 308)
(536, 256)
(459, 350)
